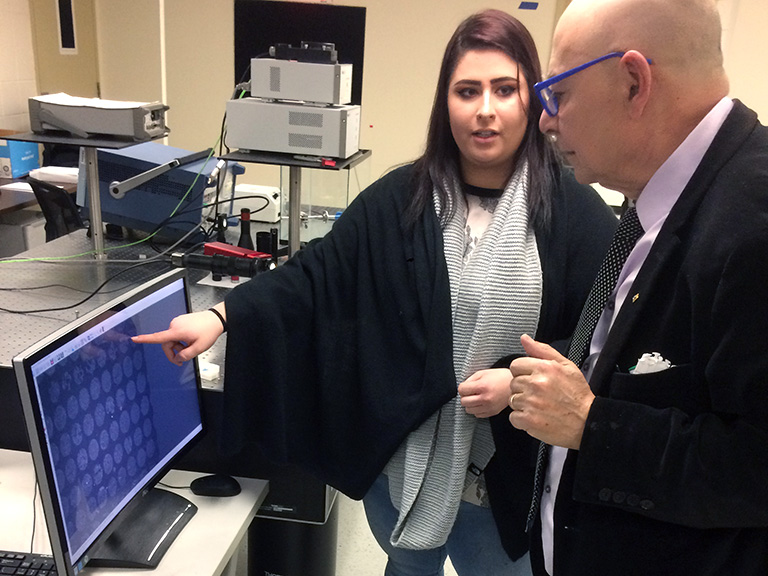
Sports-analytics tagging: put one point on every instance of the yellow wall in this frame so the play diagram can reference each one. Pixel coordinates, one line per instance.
(405, 41)
(745, 44)
(76, 74)
(181, 52)
(404, 44)
(129, 50)
(17, 74)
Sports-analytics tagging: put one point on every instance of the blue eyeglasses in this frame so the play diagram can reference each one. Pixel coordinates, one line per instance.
(548, 98)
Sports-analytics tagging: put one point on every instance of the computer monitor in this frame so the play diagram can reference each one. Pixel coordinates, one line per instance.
(106, 418)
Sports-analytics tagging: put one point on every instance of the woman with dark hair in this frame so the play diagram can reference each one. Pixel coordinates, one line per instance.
(376, 343)
(491, 30)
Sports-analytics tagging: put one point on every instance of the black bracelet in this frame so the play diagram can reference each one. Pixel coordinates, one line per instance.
(223, 322)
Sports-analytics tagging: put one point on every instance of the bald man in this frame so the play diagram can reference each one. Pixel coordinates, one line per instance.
(658, 441)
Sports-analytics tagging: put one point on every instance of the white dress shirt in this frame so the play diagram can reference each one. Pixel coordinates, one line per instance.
(653, 206)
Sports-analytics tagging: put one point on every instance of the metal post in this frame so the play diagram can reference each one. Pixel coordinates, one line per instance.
(94, 202)
(294, 209)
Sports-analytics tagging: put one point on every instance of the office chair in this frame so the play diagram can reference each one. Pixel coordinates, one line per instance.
(66, 155)
(62, 215)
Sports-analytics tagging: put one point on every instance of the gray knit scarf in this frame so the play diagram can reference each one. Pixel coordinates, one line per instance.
(496, 297)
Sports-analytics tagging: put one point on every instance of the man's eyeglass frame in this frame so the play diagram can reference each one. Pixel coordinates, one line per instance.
(547, 97)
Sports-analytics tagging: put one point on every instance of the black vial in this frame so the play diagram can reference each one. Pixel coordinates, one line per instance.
(245, 240)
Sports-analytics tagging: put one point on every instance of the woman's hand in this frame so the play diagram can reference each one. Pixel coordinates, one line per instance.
(187, 336)
(486, 392)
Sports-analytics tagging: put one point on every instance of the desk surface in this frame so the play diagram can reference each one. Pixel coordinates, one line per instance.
(300, 161)
(202, 548)
(52, 292)
(95, 141)
(13, 200)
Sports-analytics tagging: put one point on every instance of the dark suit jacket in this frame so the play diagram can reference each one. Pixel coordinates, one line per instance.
(672, 474)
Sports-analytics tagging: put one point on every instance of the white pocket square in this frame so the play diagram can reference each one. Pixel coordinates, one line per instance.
(650, 362)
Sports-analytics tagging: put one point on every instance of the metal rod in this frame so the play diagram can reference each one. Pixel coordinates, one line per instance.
(294, 209)
(94, 202)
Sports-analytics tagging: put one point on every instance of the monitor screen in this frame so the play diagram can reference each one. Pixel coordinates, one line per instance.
(106, 418)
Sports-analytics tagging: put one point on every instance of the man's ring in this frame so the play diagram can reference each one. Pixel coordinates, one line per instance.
(512, 400)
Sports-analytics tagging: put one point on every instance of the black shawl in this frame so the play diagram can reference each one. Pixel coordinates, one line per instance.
(333, 358)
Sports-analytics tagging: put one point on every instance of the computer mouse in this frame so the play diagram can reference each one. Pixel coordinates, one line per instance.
(215, 485)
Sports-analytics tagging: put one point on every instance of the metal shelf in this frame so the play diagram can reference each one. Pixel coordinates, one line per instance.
(295, 164)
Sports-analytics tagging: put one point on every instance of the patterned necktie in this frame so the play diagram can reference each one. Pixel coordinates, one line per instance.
(624, 239)
(627, 234)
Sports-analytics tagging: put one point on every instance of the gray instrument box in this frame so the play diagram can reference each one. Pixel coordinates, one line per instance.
(84, 117)
(257, 125)
(301, 81)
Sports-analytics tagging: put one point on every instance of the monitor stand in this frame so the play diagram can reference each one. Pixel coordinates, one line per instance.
(144, 536)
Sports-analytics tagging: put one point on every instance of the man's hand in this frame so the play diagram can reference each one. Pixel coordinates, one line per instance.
(550, 398)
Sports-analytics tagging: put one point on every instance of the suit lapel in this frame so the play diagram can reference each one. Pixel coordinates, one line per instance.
(736, 128)
(633, 308)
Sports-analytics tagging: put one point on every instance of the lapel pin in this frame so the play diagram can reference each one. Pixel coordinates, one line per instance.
(635, 297)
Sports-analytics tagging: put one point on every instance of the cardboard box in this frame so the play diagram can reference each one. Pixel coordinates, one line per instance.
(17, 158)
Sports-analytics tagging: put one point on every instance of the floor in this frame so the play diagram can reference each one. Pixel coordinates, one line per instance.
(358, 554)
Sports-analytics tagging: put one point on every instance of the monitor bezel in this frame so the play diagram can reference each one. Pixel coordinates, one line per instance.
(44, 472)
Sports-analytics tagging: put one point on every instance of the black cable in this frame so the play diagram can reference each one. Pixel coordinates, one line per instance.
(186, 199)
(222, 133)
(219, 186)
(96, 291)
(196, 246)
(194, 224)
(241, 88)
(226, 200)
(207, 234)
(164, 485)
(248, 68)
(46, 286)
(34, 518)
(177, 242)
(163, 223)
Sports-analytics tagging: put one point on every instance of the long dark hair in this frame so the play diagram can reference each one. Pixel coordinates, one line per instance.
(487, 30)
